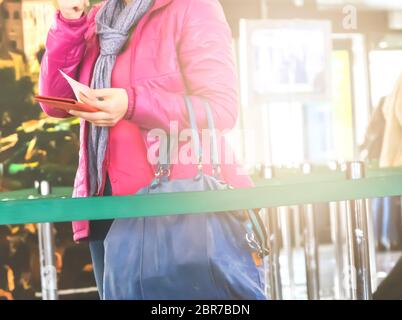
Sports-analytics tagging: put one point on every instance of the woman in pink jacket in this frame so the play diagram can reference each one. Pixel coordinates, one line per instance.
(141, 57)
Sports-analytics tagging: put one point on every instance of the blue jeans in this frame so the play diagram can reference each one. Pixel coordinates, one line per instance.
(98, 255)
(99, 230)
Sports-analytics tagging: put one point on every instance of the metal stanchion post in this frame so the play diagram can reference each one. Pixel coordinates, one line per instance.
(343, 207)
(310, 247)
(372, 246)
(47, 253)
(274, 261)
(286, 227)
(337, 236)
(298, 237)
(358, 243)
(273, 272)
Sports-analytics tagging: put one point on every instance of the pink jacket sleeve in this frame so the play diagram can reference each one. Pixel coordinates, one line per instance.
(207, 63)
(65, 48)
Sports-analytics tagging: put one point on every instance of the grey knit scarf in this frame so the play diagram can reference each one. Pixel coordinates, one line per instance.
(113, 22)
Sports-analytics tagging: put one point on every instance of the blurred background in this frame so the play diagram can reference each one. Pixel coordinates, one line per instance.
(313, 77)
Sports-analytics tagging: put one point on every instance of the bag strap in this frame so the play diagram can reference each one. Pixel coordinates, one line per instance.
(216, 165)
(194, 131)
(164, 165)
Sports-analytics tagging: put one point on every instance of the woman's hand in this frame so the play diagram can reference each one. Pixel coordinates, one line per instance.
(72, 9)
(111, 103)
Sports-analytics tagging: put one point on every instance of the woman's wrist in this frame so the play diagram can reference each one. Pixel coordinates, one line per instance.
(131, 104)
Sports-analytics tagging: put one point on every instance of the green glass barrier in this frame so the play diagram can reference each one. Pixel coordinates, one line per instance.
(278, 194)
(284, 175)
(31, 194)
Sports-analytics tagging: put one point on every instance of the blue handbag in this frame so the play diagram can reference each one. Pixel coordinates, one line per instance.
(187, 257)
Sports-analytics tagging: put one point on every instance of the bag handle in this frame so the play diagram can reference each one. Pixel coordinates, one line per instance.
(194, 131)
(216, 165)
(164, 157)
(164, 165)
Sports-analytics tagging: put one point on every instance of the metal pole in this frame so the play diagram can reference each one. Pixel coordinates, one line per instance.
(310, 247)
(298, 238)
(274, 262)
(343, 207)
(337, 236)
(285, 221)
(273, 272)
(358, 243)
(372, 247)
(47, 254)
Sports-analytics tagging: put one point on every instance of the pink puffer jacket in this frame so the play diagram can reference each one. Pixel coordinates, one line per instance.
(180, 47)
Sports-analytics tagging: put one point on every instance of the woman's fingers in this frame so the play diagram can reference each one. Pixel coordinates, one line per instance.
(104, 124)
(98, 104)
(103, 93)
(86, 100)
(92, 116)
(112, 105)
(71, 4)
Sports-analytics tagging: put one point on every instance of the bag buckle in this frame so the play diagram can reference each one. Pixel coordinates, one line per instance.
(162, 171)
(255, 245)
